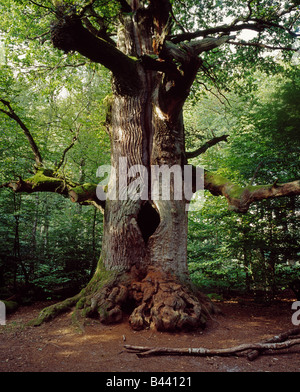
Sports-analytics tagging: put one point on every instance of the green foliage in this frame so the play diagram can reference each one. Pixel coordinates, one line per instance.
(260, 250)
(46, 240)
(229, 65)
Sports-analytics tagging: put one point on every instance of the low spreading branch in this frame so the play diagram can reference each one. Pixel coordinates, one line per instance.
(206, 146)
(240, 198)
(47, 180)
(276, 343)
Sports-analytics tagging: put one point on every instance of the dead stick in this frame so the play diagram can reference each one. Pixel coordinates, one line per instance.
(201, 351)
(290, 334)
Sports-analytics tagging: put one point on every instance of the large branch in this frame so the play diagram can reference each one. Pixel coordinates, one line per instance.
(239, 24)
(240, 198)
(12, 114)
(68, 34)
(173, 99)
(223, 29)
(47, 180)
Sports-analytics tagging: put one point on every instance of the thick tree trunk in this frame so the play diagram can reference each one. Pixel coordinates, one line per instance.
(144, 240)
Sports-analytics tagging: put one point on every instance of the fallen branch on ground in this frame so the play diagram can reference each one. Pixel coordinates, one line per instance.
(276, 343)
(290, 334)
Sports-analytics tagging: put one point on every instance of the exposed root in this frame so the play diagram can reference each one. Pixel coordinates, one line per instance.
(52, 311)
(155, 301)
(165, 305)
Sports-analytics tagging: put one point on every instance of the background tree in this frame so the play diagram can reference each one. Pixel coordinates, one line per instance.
(155, 51)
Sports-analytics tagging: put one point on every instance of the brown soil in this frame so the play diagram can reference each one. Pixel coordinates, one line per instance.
(64, 346)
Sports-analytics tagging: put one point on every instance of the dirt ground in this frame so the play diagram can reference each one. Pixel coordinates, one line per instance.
(62, 346)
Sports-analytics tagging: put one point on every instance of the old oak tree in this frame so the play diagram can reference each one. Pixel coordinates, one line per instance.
(155, 50)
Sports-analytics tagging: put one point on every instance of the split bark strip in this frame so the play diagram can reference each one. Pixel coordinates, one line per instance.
(201, 351)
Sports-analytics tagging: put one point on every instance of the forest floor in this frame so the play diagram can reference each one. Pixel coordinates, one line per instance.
(62, 346)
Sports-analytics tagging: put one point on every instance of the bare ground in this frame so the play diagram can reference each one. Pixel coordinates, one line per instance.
(63, 345)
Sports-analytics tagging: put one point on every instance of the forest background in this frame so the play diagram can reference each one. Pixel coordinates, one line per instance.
(49, 247)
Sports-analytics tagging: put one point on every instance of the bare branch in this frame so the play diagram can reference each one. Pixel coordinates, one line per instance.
(86, 7)
(225, 29)
(210, 90)
(66, 150)
(176, 21)
(42, 6)
(256, 172)
(102, 31)
(291, 8)
(250, 9)
(206, 146)
(12, 114)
